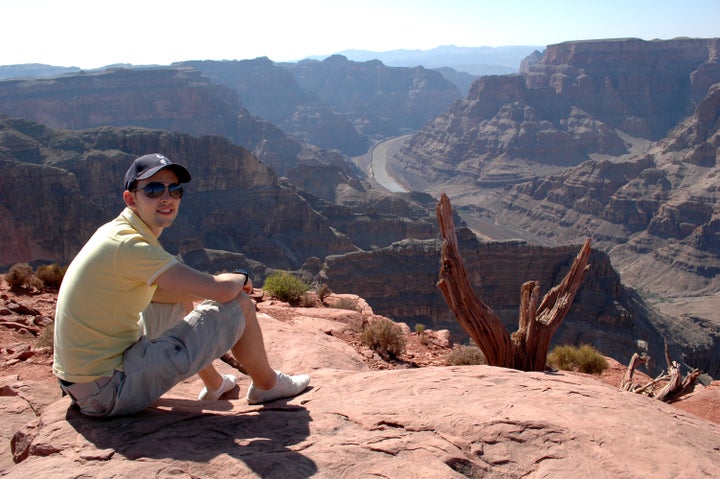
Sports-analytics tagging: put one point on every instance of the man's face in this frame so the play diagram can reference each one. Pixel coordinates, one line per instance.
(157, 213)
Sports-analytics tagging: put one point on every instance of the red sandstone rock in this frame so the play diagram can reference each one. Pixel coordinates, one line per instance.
(355, 422)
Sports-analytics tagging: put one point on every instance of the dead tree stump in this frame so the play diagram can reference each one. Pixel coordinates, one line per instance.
(668, 386)
(527, 348)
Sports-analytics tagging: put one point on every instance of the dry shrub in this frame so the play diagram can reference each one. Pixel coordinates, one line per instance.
(465, 356)
(347, 303)
(51, 274)
(21, 276)
(422, 334)
(323, 291)
(385, 337)
(46, 338)
(584, 359)
(310, 300)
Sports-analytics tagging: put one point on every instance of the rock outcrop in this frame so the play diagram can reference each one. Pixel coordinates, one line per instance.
(399, 282)
(335, 103)
(355, 422)
(642, 88)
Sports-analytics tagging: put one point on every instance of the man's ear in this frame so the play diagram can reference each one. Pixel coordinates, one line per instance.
(129, 200)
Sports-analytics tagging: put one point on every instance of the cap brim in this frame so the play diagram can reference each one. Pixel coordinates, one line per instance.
(180, 171)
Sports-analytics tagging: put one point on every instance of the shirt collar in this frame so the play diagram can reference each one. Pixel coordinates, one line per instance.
(139, 225)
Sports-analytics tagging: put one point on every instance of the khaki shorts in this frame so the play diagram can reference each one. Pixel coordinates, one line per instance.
(172, 349)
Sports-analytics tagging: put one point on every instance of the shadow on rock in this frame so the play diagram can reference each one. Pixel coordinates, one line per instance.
(261, 438)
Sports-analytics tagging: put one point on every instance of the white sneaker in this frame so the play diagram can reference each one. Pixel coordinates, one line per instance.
(228, 383)
(286, 386)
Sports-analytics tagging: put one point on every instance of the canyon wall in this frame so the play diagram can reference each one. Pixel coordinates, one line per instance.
(399, 282)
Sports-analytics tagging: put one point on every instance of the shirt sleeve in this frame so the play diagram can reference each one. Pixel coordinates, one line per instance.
(143, 261)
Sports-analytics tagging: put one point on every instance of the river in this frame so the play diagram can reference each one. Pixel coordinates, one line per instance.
(378, 163)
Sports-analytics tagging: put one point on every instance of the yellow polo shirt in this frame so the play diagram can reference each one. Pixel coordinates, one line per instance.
(108, 284)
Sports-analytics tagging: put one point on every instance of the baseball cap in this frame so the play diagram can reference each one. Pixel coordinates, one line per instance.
(147, 165)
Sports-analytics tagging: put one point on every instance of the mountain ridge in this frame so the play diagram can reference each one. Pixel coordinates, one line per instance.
(476, 61)
(491, 60)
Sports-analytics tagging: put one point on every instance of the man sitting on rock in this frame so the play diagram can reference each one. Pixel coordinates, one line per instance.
(122, 335)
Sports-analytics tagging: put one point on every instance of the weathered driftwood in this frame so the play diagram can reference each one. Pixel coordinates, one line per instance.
(627, 383)
(527, 348)
(668, 386)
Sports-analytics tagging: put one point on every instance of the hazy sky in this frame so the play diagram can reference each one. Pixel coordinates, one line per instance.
(94, 33)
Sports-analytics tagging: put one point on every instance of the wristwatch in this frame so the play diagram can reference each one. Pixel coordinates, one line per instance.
(242, 271)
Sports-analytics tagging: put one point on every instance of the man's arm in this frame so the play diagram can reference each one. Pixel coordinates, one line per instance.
(166, 296)
(183, 280)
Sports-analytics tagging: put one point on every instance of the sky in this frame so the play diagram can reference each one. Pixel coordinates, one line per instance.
(95, 33)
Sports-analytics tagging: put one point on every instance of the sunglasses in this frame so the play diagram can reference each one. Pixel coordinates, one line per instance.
(156, 190)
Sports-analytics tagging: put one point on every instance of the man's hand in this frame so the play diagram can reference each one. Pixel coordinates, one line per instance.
(248, 286)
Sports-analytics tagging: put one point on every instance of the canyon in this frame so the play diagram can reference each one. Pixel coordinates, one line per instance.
(589, 139)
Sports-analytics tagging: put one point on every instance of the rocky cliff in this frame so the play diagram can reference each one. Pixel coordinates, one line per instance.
(642, 88)
(270, 91)
(59, 185)
(379, 100)
(617, 140)
(178, 99)
(576, 101)
(399, 282)
(284, 119)
(170, 99)
(655, 213)
(335, 103)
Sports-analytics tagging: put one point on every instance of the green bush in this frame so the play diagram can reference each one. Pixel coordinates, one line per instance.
(465, 356)
(584, 359)
(21, 276)
(285, 286)
(51, 274)
(385, 337)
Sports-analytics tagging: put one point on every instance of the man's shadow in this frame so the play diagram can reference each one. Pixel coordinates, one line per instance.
(261, 438)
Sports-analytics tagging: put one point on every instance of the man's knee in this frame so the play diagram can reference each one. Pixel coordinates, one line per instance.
(246, 304)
